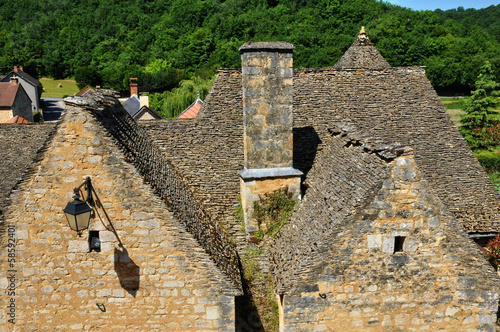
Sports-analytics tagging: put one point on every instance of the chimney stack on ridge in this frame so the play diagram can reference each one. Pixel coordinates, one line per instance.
(134, 87)
(267, 79)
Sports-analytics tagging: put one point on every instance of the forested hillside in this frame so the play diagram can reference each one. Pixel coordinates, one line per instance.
(487, 18)
(163, 41)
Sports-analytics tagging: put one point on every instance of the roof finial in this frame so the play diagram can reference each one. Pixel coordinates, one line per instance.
(363, 38)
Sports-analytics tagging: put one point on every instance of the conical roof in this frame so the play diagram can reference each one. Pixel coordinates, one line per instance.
(362, 55)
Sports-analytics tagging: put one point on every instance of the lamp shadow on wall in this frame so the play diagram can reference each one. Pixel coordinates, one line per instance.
(128, 272)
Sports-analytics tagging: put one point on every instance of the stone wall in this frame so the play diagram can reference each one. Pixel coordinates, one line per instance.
(160, 279)
(5, 115)
(258, 190)
(394, 260)
(20, 147)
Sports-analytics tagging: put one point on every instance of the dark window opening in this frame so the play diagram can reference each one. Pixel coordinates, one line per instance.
(398, 243)
(94, 242)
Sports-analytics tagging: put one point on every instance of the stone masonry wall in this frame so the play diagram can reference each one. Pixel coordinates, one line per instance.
(267, 70)
(258, 190)
(160, 280)
(5, 115)
(400, 263)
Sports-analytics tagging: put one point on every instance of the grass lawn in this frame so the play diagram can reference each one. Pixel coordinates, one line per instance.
(51, 89)
(454, 108)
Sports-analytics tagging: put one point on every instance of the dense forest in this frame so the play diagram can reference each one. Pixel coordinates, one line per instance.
(164, 41)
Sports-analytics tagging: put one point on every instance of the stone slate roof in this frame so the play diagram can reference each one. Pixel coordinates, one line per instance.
(394, 104)
(20, 145)
(19, 72)
(342, 201)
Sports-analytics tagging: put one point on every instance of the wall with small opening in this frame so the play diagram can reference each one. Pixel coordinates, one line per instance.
(159, 279)
(402, 263)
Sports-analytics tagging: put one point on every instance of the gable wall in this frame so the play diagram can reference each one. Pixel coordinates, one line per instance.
(162, 280)
(22, 106)
(438, 282)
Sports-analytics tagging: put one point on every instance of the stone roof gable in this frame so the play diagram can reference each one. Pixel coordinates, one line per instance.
(360, 187)
(371, 234)
(163, 176)
(344, 178)
(362, 55)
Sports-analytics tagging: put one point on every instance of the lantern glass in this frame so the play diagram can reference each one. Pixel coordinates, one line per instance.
(78, 214)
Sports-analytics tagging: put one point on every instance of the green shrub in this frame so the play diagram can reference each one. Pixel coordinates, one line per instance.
(489, 160)
(275, 212)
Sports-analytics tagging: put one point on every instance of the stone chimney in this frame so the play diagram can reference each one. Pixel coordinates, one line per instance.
(267, 79)
(21, 68)
(14, 80)
(134, 87)
(15, 69)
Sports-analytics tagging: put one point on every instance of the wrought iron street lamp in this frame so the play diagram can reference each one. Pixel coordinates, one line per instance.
(78, 212)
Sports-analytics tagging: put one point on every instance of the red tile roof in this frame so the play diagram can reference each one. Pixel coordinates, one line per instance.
(192, 110)
(17, 119)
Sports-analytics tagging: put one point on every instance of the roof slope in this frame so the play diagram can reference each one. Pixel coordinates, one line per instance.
(19, 147)
(343, 179)
(8, 93)
(394, 104)
(21, 73)
(17, 119)
(400, 105)
(192, 110)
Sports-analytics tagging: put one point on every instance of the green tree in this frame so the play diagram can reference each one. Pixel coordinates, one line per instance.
(479, 127)
(171, 103)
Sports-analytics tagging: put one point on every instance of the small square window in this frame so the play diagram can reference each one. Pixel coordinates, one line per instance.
(94, 241)
(398, 243)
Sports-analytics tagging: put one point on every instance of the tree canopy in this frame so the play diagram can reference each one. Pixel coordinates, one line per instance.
(164, 41)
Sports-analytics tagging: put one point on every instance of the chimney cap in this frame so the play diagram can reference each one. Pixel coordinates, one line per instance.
(283, 47)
